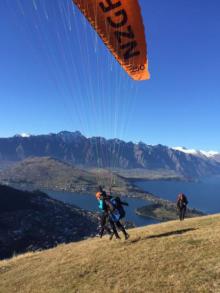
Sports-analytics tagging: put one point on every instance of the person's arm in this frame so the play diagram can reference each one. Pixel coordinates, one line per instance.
(178, 204)
(118, 199)
(109, 205)
(124, 203)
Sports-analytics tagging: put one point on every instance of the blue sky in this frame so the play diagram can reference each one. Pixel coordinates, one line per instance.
(55, 74)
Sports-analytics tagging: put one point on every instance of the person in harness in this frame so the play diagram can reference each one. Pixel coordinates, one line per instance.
(100, 196)
(182, 202)
(116, 213)
(112, 212)
(118, 206)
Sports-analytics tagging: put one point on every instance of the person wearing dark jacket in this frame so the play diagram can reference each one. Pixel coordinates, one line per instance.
(120, 208)
(110, 214)
(116, 213)
(181, 205)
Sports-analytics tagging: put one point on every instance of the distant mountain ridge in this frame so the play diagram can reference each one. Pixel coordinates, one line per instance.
(76, 149)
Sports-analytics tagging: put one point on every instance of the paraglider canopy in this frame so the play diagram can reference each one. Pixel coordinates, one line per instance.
(120, 26)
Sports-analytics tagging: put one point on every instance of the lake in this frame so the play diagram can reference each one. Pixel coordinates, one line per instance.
(203, 195)
(89, 202)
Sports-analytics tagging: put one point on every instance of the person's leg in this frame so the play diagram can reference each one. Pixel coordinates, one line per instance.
(107, 228)
(180, 214)
(115, 232)
(183, 213)
(103, 225)
(122, 228)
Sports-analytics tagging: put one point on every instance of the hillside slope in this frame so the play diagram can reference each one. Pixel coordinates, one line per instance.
(169, 257)
(50, 173)
(31, 221)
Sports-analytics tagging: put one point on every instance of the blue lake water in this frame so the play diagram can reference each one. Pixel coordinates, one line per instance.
(89, 202)
(203, 195)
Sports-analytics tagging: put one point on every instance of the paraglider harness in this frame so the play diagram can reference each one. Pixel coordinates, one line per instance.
(118, 204)
(114, 206)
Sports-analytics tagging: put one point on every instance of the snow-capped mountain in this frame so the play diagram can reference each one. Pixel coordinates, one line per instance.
(23, 135)
(74, 148)
(198, 153)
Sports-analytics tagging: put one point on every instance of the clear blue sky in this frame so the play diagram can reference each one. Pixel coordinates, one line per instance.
(55, 74)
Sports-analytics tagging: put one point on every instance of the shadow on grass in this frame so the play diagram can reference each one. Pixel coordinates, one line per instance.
(171, 233)
(167, 234)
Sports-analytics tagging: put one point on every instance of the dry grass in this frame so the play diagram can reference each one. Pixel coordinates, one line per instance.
(170, 257)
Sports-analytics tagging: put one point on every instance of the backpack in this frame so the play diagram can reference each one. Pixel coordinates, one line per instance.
(116, 202)
(115, 216)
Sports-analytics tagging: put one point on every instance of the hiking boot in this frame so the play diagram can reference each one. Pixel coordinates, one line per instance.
(127, 236)
(111, 236)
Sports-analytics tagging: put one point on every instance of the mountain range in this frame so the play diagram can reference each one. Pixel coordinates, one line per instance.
(76, 149)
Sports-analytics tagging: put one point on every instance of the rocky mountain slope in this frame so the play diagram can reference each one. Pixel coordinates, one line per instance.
(169, 257)
(76, 149)
(33, 221)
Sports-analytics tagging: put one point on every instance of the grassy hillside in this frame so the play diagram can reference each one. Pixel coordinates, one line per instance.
(169, 257)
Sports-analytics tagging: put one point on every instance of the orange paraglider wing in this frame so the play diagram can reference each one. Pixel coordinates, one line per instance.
(120, 26)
